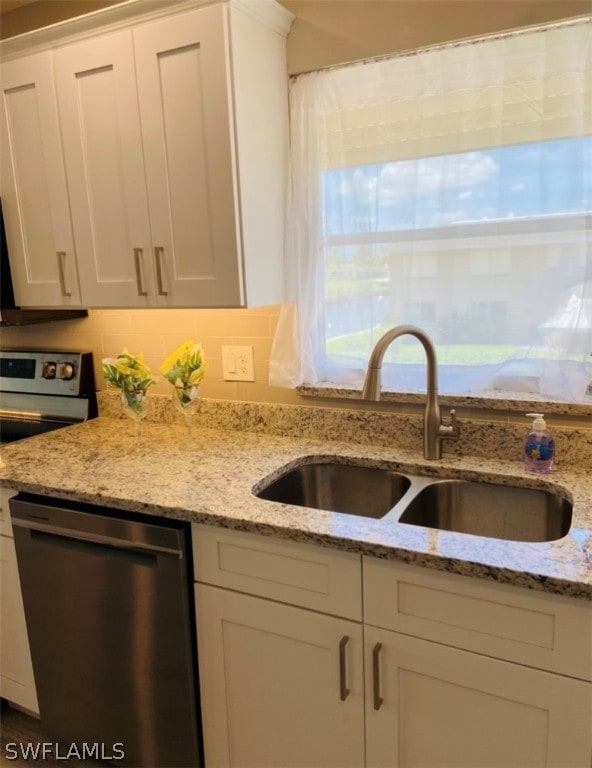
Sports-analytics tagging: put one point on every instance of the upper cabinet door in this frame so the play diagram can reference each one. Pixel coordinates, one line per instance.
(98, 105)
(164, 159)
(34, 190)
(185, 107)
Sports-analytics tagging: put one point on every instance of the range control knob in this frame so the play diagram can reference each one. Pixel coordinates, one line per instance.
(66, 371)
(48, 370)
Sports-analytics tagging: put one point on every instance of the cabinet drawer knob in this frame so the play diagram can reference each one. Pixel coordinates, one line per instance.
(343, 689)
(376, 675)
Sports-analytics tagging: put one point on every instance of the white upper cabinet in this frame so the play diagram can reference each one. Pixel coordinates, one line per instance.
(98, 106)
(34, 191)
(174, 132)
(186, 118)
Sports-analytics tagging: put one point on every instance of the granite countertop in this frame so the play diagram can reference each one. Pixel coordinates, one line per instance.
(210, 480)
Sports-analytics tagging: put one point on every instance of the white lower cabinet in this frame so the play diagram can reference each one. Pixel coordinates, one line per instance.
(416, 684)
(437, 706)
(274, 692)
(466, 673)
(281, 685)
(17, 683)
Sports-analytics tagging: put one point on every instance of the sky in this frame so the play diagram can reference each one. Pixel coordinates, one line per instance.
(525, 180)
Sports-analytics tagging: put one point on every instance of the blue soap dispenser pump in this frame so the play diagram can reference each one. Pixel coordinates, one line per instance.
(539, 447)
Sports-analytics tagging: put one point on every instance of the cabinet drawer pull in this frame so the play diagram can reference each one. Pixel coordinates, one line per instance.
(63, 272)
(343, 689)
(376, 675)
(138, 253)
(158, 255)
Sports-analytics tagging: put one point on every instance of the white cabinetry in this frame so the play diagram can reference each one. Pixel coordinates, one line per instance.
(464, 706)
(457, 672)
(280, 685)
(446, 707)
(174, 132)
(17, 683)
(97, 99)
(271, 685)
(34, 190)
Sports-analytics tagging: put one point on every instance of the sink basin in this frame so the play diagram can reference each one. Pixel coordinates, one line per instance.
(480, 508)
(352, 489)
(487, 509)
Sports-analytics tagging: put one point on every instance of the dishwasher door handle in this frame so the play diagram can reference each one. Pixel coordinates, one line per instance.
(95, 538)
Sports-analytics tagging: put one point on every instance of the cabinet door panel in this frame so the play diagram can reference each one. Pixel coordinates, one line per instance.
(183, 87)
(17, 683)
(270, 684)
(445, 707)
(105, 168)
(291, 572)
(537, 629)
(34, 190)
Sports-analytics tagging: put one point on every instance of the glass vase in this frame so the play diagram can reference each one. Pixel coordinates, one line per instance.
(186, 401)
(135, 404)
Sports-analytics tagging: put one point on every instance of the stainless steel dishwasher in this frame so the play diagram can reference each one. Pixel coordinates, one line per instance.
(109, 610)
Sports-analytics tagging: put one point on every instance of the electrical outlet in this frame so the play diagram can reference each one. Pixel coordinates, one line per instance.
(238, 364)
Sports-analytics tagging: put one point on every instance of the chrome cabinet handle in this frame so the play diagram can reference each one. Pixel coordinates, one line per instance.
(376, 675)
(343, 689)
(158, 256)
(138, 253)
(63, 273)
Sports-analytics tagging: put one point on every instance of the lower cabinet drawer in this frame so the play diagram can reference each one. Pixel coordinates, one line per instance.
(305, 575)
(536, 629)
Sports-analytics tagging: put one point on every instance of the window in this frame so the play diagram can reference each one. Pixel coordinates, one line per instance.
(450, 189)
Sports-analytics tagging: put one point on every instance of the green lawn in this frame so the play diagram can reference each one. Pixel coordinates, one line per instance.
(360, 344)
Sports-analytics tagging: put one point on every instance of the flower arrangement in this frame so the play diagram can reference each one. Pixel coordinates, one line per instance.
(131, 375)
(184, 369)
(186, 366)
(128, 372)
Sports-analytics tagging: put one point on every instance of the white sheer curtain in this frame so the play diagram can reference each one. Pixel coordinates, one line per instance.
(451, 189)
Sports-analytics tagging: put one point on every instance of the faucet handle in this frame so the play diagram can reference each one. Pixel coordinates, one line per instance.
(451, 431)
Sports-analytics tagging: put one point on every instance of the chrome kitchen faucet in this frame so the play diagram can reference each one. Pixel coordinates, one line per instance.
(434, 430)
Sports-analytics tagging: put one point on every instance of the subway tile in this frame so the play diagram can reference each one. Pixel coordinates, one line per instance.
(109, 320)
(219, 390)
(113, 344)
(156, 332)
(247, 326)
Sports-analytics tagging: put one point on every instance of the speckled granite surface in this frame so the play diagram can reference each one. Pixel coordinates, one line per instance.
(496, 400)
(210, 480)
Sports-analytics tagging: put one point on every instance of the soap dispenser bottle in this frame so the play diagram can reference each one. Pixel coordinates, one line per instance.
(539, 447)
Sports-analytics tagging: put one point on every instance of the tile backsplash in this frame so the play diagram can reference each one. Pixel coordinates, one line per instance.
(156, 332)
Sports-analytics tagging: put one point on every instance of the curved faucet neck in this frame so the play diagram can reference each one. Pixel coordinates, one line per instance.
(434, 430)
(373, 379)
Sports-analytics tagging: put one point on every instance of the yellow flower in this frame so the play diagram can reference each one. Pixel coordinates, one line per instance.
(128, 372)
(196, 376)
(186, 364)
(172, 359)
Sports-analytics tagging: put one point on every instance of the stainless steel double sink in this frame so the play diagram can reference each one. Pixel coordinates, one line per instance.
(482, 508)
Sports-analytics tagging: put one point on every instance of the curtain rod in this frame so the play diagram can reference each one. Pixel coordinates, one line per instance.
(573, 21)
